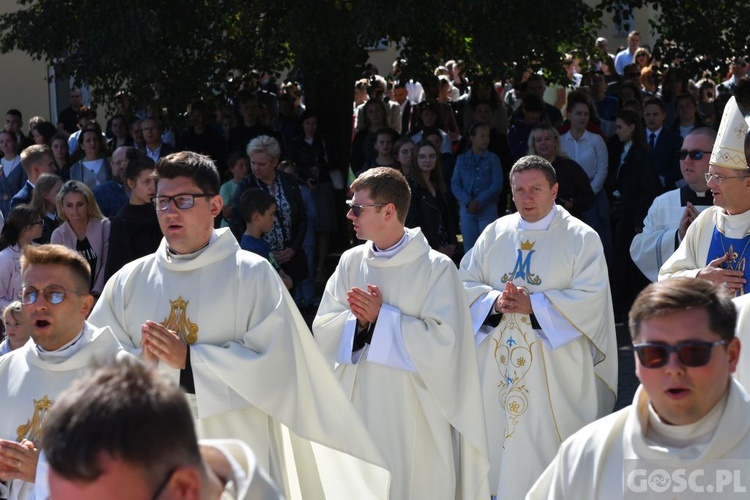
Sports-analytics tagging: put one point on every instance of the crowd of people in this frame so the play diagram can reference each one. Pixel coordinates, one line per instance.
(464, 346)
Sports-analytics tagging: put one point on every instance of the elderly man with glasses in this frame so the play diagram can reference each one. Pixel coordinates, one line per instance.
(716, 244)
(672, 213)
(219, 321)
(687, 430)
(55, 301)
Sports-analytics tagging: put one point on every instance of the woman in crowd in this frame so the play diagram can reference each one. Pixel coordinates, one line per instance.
(404, 148)
(429, 208)
(289, 227)
(134, 231)
(590, 152)
(642, 57)
(477, 182)
(574, 191)
(634, 185)
(61, 155)
(315, 159)
(15, 333)
(43, 132)
(12, 175)
(44, 202)
(363, 144)
(22, 226)
(688, 117)
(84, 229)
(93, 168)
(120, 133)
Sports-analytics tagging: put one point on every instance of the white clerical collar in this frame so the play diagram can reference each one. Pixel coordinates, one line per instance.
(661, 433)
(63, 353)
(192, 255)
(734, 226)
(542, 224)
(391, 251)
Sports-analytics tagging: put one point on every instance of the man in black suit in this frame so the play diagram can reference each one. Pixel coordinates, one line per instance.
(13, 124)
(151, 128)
(36, 160)
(400, 96)
(664, 144)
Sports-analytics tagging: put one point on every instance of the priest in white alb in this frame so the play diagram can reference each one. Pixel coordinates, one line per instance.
(716, 244)
(542, 315)
(219, 321)
(55, 301)
(687, 434)
(671, 213)
(395, 322)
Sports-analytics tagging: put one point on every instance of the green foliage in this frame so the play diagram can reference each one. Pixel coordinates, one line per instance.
(701, 36)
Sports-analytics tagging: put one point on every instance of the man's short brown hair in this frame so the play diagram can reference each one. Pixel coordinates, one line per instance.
(675, 295)
(386, 185)
(58, 255)
(533, 162)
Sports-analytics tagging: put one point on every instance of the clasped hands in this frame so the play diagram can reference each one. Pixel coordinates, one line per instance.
(162, 344)
(18, 460)
(365, 304)
(513, 300)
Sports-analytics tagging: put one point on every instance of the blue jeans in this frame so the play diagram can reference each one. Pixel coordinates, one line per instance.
(472, 225)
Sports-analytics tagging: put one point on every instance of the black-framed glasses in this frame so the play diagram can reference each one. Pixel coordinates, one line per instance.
(54, 294)
(357, 209)
(183, 201)
(40, 222)
(694, 154)
(163, 485)
(718, 179)
(691, 353)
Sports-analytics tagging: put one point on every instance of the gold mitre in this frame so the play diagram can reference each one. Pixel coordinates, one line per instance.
(729, 148)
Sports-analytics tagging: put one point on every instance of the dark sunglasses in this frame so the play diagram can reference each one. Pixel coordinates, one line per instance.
(357, 209)
(694, 154)
(691, 353)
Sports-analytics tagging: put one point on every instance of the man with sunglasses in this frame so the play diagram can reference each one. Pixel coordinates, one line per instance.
(218, 320)
(395, 322)
(688, 414)
(717, 244)
(671, 213)
(55, 301)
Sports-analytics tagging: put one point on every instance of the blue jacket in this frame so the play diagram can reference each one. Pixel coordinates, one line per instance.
(480, 180)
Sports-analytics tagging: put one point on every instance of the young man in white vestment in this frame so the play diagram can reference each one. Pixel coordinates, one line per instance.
(126, 432)
(55, 301)
(395, 323)
(687, 432)
(219, 321)
(544, 328)
(716, 244)
(672, 213)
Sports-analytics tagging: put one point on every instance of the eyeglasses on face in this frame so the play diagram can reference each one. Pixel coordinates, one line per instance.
(40, 222)
(718, 179)
(357, 209)
(694, 154)
(54, 294)
(691, 353)
(182, 201)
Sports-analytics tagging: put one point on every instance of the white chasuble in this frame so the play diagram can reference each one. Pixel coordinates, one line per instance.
(259, 376)
(541, 385)
(30, 384)
(417, 384)
(594, 462)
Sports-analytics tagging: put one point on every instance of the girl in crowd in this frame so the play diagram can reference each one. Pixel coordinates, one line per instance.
(404, 148)
(61, 155)
(574, 192)
(93, 168)
(15, 334)
(429, 208)
(84, 229)
(134, 231)
(12, 175)
(363, 144)
(120, 133)
(477, 182)
(23, 225)
(44, 202)
(43, 132)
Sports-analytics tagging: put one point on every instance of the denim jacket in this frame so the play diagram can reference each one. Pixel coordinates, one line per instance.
(480, 180)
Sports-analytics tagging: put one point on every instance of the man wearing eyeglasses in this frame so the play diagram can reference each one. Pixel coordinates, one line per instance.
(689, 414)
(219, 321)
(717, 244)
(55, 301)
(395, 323)
(671, 213)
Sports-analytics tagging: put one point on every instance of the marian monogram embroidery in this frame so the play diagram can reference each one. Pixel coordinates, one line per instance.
(522, 268)
(178, 321)
(513, 357)
(32, 430)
